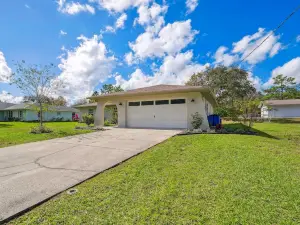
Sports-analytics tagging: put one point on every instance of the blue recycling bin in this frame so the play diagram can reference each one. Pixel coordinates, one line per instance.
(214, 120)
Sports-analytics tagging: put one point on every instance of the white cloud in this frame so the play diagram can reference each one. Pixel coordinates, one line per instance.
(290, 69)
(191, 5)
(62, 33)
(129, 58)
(150, 15)
(174, 70)
(119, 24)
(223, 58)
(84, 67)
(119, 5)
(248, 43)
(7, 97)
(170, 40)
(5, 71)
(73, 8)
(121, 21)
(27, 6)
(275, 49)
(256, 81)
(298, 38)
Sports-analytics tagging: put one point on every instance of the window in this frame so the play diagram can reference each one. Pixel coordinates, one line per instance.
(148, 103)
(162, 102)
(91, 112)
(58, 113)
(20, 114)
(178, 101)
(134, 103)
(10, 114)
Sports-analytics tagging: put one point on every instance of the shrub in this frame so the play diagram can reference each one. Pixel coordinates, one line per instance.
(106, 123)
(88, 119)
(40, 130)
(196, 120)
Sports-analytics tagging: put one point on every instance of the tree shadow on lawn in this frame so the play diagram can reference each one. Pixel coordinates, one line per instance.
(235, 126)
(3, 125)
(288, 120)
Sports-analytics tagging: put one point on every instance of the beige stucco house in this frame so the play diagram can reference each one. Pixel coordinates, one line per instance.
(160, 106)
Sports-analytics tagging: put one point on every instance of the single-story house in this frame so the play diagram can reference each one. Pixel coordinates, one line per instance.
(160, 106)
(289, 108)
(3, 106)
(26, 112)
(90, 108)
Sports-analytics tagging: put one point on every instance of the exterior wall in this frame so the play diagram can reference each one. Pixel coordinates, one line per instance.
(30, 115)
(286, 111)
(198, 105)
(264, 113)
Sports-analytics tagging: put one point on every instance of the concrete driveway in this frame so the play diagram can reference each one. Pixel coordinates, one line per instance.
(33, 172)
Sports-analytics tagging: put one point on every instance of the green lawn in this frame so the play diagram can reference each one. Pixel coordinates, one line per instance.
(197, 179)
(12, 133)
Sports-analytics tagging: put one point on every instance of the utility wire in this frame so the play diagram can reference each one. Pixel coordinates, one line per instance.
(272, 32)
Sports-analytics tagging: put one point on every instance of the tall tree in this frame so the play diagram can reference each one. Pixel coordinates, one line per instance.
(227, 83)
(109, 88)
(36, 82)
(283, 88)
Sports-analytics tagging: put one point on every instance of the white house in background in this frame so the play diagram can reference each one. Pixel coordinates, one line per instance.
(289, 108)
(160, 106)
(90, 108)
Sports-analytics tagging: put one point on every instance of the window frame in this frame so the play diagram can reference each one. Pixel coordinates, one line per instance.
(161, 102)
(143, 103)
(10, 114)
(134, 104)
(20, 114)
(91, 111)
(178, 101)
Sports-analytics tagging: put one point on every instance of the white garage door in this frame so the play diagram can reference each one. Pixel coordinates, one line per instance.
(157, 114)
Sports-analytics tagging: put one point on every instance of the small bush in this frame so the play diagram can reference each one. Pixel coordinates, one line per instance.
(40, 130)
(88, 119)
(106, 123)
(197, 120)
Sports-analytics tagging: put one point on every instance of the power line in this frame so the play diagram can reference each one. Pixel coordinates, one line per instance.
(272, 32)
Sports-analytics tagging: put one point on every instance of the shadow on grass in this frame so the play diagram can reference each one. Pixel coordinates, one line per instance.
(5, 125)
(236, 126)
(291, 120)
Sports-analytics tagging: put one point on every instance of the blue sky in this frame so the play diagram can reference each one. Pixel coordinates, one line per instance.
(136, 43)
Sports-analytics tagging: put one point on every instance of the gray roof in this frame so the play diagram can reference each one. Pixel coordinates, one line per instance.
(91, 105)
(283, 102)
(54, 108)
(4, 105)
(86, 105)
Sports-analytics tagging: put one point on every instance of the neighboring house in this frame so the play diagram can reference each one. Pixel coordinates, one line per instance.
(160, 106)
(25, 112)
(3, 106)
(289, 108)
(90, 108)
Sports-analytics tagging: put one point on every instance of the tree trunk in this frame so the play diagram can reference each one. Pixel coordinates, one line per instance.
(41, 115)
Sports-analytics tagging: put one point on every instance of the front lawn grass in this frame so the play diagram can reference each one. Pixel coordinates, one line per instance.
(13, 133)
(197, 179)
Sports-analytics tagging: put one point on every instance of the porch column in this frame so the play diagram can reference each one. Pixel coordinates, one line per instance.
(122, 111)
(99, 114)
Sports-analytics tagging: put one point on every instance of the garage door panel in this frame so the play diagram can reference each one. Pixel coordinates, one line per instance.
(157, 116)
